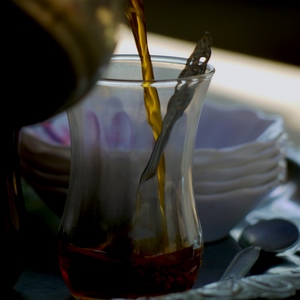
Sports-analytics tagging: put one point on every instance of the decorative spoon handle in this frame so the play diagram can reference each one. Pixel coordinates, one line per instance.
(195, 65)
(241, 263)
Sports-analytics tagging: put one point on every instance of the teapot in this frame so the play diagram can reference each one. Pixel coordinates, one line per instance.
(53, 51)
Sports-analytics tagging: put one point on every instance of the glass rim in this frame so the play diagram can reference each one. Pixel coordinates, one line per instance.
(156, 58)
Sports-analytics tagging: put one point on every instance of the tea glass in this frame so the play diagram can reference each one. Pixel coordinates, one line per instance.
(119, 238)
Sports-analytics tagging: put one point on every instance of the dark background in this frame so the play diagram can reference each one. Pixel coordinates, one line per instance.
(266, 29)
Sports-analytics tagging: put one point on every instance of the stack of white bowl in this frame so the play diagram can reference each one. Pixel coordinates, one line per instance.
(239, 159)
(45, 159)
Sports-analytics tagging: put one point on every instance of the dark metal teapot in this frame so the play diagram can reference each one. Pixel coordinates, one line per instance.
(53, 52)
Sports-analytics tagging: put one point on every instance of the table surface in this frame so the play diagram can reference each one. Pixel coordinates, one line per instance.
(41, 278)
(42, 281)
(270, 86)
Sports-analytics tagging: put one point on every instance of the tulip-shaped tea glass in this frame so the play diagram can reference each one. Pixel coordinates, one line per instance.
(121, 235)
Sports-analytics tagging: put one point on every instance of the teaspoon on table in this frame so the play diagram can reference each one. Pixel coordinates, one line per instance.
(274, 236)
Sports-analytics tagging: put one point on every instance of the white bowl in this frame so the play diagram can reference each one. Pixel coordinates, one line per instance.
(219, 213)
(239, 158)
(253, 148)
(256, 180)
(230, 127)
(201, 161)
(45, 159)
(220, 173)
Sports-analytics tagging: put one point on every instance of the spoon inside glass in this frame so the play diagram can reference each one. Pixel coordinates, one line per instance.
(274, 236)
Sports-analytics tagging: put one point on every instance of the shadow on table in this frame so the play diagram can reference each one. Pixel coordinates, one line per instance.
(216, 258)
(34, 285)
